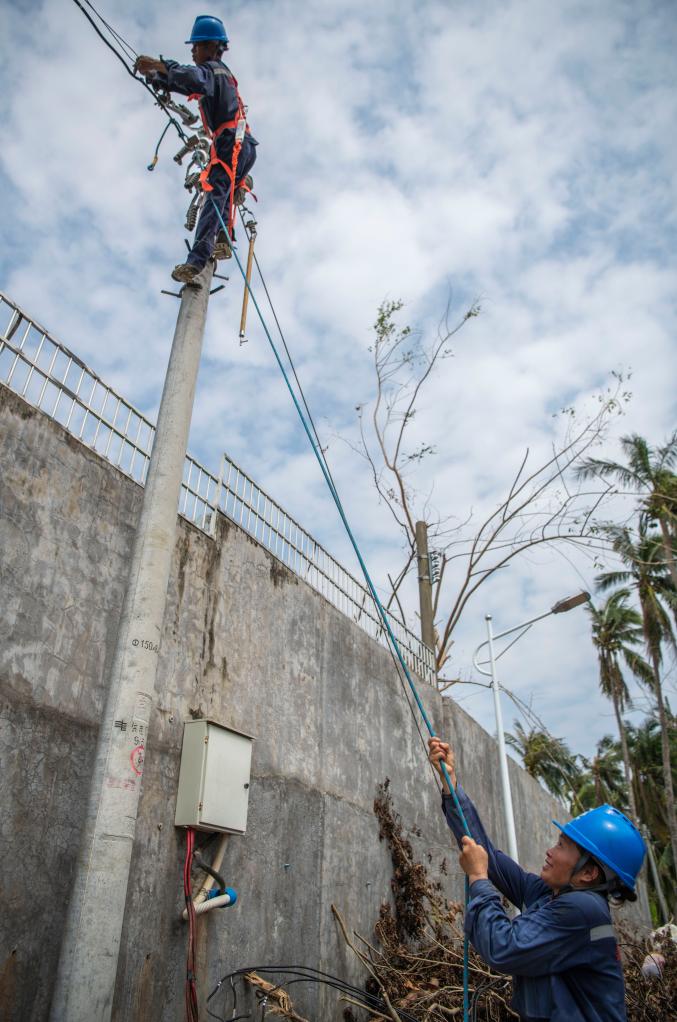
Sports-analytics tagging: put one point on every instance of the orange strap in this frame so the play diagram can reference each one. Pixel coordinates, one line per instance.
(231, 171)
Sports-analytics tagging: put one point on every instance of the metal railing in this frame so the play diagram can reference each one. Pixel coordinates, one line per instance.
(50, 377)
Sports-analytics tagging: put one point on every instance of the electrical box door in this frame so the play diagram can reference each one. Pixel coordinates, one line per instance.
(214, 778)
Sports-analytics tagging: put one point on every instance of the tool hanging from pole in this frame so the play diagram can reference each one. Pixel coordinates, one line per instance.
(250, 227)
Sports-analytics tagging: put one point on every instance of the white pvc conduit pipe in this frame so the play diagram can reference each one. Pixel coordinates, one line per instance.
(207, 906)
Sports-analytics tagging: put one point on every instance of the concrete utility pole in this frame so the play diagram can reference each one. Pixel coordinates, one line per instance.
(425, 588)
(89, 953)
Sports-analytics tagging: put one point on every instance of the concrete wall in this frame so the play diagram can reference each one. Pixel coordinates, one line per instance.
(246, 643)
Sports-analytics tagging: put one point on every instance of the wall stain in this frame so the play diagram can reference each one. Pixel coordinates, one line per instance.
(184, 544)
(144, 993)
(20, 407)
(8, 985)
(213, 565)
(279, 574)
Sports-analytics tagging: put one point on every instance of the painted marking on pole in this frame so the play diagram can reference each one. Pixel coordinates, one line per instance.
(127, 784)
(153, 647)
(136, 759)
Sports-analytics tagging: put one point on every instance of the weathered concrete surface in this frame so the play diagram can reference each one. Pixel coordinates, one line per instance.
(246, 643)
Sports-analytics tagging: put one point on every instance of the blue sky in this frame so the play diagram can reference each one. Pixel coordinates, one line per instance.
(520, 151)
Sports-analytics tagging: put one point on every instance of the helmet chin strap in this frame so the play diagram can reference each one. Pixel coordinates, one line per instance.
(609, 883)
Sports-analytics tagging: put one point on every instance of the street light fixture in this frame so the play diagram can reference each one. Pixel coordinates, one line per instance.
(561, 607)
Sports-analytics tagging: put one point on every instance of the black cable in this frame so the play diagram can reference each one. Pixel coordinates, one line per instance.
(293, 369)
(311, 975)
(199, 861)
(130, 51)
(130, 72)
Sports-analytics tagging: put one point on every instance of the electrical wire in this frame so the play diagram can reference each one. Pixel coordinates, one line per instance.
(300, 974)
(129, 49)
(128, 69)
(192, 1011)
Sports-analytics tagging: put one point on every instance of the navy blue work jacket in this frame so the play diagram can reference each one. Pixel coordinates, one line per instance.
(561, 951)
(216, 85)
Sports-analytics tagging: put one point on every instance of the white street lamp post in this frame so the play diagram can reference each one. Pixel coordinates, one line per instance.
(559, 608)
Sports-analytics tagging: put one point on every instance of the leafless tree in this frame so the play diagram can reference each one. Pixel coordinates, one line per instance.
(544, 505)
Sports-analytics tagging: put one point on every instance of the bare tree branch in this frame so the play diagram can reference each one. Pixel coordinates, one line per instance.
(545, 504)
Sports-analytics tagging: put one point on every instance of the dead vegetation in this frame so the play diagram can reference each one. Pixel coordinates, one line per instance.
(416, 962)
(417, 957)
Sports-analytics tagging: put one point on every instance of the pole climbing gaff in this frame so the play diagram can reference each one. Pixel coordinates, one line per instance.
(381, 610)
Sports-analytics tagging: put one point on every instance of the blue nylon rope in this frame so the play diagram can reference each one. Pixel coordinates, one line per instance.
(381, 609)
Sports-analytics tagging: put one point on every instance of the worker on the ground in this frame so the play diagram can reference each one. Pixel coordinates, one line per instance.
(212, 83)
(561, 951)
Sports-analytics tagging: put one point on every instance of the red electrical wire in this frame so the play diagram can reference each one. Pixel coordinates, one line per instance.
(191, 987)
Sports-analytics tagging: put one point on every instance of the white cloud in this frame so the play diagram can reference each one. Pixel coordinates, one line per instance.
(520, 151)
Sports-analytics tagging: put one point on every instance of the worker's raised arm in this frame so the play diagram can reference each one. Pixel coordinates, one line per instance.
(186, 79)
(518, 886)
(149, 66)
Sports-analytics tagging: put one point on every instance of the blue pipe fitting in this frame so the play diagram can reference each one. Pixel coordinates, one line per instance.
(216, 893)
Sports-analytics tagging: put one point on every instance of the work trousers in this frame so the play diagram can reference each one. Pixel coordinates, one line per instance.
(208, 225)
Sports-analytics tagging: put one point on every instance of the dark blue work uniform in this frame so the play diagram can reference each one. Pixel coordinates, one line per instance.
(561, 951)
(215, 83)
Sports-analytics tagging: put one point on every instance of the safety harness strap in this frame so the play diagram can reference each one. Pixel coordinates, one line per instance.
(240, 126)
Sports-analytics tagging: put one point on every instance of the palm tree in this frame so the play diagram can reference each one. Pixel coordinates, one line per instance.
(645, 744)
(616, 629)
(546, 758)
(603, 780)
(650, 472)
(645, 574)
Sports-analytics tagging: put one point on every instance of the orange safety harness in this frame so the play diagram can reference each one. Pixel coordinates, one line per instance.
(239, 123)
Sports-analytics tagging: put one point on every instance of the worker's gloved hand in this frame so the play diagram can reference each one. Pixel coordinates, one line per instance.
(474, 860)
(441, 752)
(149, 65)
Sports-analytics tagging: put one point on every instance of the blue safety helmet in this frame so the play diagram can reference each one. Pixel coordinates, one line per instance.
(610, 838)
(207, 29)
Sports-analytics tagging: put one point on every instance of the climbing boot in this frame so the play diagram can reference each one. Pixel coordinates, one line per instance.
(241, 192)
(185, 273)
(222, 249)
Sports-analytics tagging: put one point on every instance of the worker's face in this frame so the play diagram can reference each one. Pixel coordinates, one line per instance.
(560, 861)
(202, 52)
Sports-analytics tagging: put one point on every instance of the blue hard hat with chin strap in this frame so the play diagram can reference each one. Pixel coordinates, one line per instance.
(611, 838)
(208, 29)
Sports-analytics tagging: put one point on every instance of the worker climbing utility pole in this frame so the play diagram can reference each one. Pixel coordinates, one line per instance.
(89, 953)
(425, 588)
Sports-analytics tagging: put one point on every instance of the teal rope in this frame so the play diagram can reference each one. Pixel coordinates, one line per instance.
(381, 609)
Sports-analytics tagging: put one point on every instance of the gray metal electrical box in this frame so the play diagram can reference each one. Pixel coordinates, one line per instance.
(214, 778)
